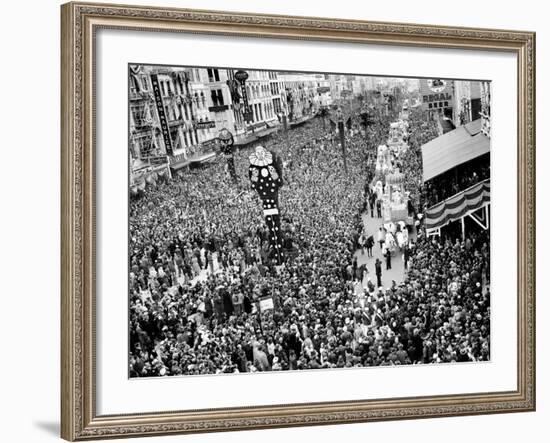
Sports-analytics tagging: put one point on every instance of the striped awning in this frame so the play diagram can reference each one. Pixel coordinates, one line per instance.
(459, 205)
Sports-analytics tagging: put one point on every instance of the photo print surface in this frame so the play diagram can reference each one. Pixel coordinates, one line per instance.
(283, 221)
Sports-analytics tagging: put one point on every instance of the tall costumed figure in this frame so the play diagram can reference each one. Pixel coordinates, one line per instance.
(227, 147)
(266, 177)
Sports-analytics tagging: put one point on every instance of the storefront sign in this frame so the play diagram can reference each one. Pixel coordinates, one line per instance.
(219, 108)
(209, 144)
(436, 97)
(205, 125)
(322, 89)
(162, 114)
(436, 93)
(241, 76)
(159, 160)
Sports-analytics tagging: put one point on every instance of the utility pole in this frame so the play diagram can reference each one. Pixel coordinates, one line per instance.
(342, 138)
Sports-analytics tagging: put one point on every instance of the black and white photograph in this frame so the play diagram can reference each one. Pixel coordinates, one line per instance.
(284, 221)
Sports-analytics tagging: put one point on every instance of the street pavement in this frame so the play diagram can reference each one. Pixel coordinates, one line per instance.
(397, 271)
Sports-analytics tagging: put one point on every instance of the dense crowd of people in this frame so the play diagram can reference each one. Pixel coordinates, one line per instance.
(205, 296)
(465, 176)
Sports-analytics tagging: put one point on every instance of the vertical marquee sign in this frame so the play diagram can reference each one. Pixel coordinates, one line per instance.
(242, 76)
(162, 114)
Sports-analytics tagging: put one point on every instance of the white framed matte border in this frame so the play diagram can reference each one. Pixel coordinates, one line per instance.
(98, 41)
(117, 394)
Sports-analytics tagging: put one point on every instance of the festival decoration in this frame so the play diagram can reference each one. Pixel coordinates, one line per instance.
(266, 178)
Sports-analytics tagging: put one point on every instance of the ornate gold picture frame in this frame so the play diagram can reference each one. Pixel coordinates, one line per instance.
(79, 420)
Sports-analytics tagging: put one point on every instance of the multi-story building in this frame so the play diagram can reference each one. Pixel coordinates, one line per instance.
(304, 93)
(145, 135)
(165, 106)
(277, 90)
(260, 91)
(466, 102)
(219, 100)
(323, 97)
(485, 112)
(337, 83)
(437, 97)
(177, 112)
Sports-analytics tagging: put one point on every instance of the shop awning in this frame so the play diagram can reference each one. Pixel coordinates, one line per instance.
(459, 205)
(197, 158)
(453, 148)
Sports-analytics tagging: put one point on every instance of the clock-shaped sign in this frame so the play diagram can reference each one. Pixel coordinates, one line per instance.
(437, 84)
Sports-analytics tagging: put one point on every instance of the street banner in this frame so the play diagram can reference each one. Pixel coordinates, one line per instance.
(162, 114)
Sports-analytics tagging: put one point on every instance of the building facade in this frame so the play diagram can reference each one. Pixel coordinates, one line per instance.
(437, 97)
(466, 102)
(145, 134)
(261, 91)
(485, 112)
(178, 112)
(305, 94)
(166, 105)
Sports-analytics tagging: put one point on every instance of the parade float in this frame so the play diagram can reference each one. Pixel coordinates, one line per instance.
(397, 136)
(395, 199)
(388, 182)
(383, 161)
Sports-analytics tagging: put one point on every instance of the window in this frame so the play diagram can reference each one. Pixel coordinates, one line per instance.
(217, 97)
(143, 145)
(213, 75)
(134, 84)
(141, 114)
